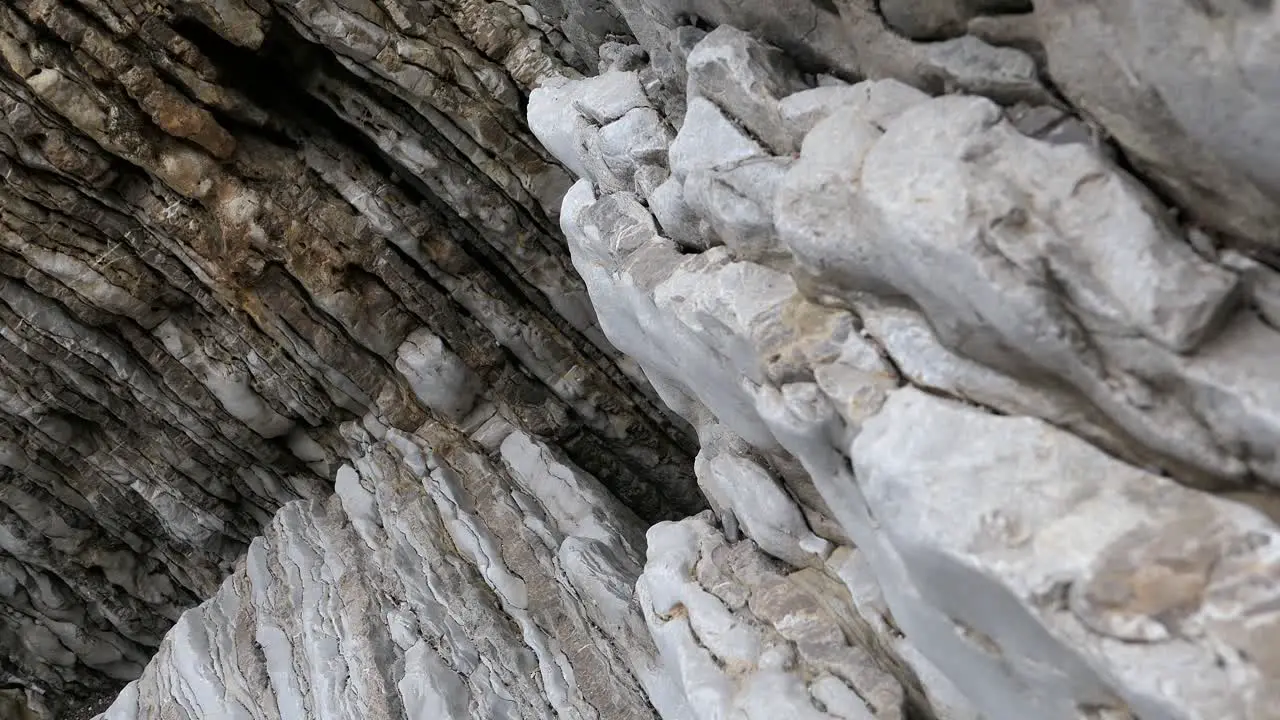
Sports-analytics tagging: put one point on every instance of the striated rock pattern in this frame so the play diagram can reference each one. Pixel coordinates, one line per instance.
(227, 229)
(959, 316)
(428, 586)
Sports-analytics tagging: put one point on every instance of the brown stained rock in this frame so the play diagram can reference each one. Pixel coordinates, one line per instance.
(204, 272)
(1150, 581)
(245, 241)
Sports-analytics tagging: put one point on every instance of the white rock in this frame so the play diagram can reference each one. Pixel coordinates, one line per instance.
(746, 78)
(708, 140)
(558, 124)
(437, 376)
(736, 658)
(877, 101)
(737, 203)
(638, 138)
(885, 214)
(1071, 558)
(609, 96)
(745, 491)
(679, 222)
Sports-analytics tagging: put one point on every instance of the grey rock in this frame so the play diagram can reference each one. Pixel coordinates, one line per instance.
(736, 202)
(615, 56)
(747, 79)
(1006, 75)
(848, 152)
(906, 336)
(709, 140)
(1262, 284)
(927, 19)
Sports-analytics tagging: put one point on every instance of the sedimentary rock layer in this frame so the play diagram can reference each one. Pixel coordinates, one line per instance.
(225, 229)
(1015, 385)
(959, 316)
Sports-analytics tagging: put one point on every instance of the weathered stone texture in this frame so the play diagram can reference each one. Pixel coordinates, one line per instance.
(225, 229)
(947, 310)
(959, 315)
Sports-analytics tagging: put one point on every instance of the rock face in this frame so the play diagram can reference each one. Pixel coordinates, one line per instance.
(220, 241)
(329, 393)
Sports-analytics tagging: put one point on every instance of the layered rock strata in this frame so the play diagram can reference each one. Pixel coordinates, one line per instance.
(958, 315)
(226, 229)
(1006, 373)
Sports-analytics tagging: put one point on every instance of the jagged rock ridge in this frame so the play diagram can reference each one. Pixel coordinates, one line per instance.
(970, 306)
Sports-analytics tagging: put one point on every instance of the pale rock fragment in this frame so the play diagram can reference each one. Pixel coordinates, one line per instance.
(1230, 384)
(906, 336)
(230, 385)
(1052, 125)
(709, 140)
(558, 124)
(438, 377)
(737, 203)
(637, 139)
(579, 506)
(745, 493)
(605, 98)
(1261, 283)
(877, 101)
(620, 220)
(746, 78)
(679, 222)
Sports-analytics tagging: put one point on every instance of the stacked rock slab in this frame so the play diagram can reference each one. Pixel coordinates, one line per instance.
(228, 228)
(430, 585)
(960, 315)
(1003, 369)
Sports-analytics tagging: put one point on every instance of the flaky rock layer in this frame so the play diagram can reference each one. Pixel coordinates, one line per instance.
(639, 358)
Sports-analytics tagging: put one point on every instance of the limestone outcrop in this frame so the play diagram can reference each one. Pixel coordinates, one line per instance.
(936, 313)
(680, 359)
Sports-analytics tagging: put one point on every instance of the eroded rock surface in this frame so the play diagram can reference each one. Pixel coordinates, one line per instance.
(429, 585)
(959, 315)
(1004, 367)
(226, 229)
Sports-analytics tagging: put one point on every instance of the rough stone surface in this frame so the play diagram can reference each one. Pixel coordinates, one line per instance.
(228, 228)
(971, 307)
(413, 592)
(381, 358)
